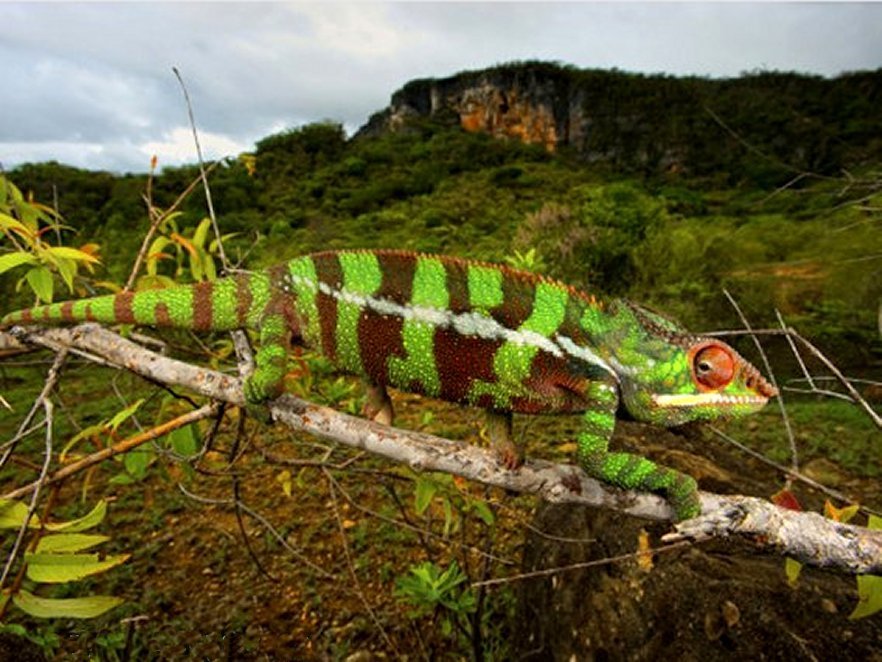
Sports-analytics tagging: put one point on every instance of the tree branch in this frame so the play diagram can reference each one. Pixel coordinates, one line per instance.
(807, 537)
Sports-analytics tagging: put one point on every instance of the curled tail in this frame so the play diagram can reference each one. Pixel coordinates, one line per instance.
(208, 306)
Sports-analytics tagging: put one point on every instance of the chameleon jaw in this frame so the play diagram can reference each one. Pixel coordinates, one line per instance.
(706, 399)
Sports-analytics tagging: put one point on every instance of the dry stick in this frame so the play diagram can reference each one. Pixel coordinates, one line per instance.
(852, 391)
(420, 531)
(350, 564)
(154, 226)
(240, 338)
(32, 507)
(805, 371)
(234, 477)
(264, 522)
(579, 566)
(806, 536)
(794, 454)
(802, 478)
(217, 234)
(51, 380)
(118, 448)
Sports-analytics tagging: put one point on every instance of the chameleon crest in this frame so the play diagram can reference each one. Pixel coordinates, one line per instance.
(470, 332)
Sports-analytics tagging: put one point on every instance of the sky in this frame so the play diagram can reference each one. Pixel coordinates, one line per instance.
(91, 84)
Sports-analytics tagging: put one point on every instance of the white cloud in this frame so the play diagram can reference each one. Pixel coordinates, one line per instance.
(178, 147)
(94, 80)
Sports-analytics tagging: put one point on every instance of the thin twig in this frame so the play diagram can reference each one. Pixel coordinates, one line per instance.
(264, 522)
(51, 380)
(118, 448)
(351, 565)
(156, 221)
(208, 202)
(547, 572)
(791, 438)
(790, 473)
(32, 507)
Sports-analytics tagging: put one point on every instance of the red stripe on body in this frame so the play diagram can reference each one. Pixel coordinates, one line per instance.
(122, 308)
(553, 386)
(203, 311)
(379, 338)
(397, 270)
(329, 272)
(243, 299)
(67, 312)
(460, 360)
(161, 315)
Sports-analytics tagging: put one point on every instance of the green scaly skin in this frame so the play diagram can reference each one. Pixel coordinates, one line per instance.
(470, 332)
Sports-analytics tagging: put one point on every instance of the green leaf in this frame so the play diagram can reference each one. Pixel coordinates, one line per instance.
(93, 518)
(13, 514)
(69, 542)
(137, 461)
(483, 511)
(183, 441)
(792, 569)
(40, 280)
(155, 253)
(89, 607)
(208, 266)
(13, 260)
(869, 595)
(9, 223)
(424, 492)
(121, 416)
(67, 269)
(71, 254)
(86, 433)
(60, 568)
(201, 233)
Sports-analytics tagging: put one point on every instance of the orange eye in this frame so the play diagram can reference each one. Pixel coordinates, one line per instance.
(714, 366)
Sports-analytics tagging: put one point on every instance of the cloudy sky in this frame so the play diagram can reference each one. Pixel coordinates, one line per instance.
(91, 84)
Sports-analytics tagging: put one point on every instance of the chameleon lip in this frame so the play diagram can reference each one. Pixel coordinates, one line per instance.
(700, 399)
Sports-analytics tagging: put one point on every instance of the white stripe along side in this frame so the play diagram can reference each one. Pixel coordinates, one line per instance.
(471, 323)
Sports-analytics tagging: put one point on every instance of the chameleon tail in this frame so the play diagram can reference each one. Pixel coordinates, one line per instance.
(203, 306)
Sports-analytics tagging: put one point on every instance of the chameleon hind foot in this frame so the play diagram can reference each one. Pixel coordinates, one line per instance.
(509, 453)
(378, 405)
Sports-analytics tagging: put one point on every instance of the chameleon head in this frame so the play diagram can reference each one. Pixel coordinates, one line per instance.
(678, 377)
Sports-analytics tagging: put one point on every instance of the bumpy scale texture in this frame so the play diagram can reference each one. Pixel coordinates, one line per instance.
(469, 332)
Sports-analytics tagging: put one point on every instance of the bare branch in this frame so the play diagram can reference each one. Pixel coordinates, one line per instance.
(808, 537)
(118, 448)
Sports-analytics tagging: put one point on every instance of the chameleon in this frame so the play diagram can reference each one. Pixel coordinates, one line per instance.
(469, 332)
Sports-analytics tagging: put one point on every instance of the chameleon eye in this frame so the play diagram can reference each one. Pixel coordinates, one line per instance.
(713, 366)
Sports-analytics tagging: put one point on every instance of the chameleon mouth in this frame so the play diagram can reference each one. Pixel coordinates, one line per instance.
(704, 399)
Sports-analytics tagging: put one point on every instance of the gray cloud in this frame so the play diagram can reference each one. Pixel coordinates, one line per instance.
(91, 84)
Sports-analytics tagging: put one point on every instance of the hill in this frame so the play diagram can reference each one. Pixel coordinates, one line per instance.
(656, 124)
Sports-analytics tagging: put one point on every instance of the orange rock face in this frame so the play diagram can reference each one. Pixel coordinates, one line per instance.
(503, 113)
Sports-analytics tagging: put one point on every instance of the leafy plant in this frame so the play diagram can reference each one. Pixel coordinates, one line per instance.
(25, 224)
(59, 556)
(431, 590)
(194, 254)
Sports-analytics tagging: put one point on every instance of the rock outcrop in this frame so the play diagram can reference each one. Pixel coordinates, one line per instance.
(761, 122)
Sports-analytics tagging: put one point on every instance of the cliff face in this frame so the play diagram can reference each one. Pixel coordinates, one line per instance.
(659, 123)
